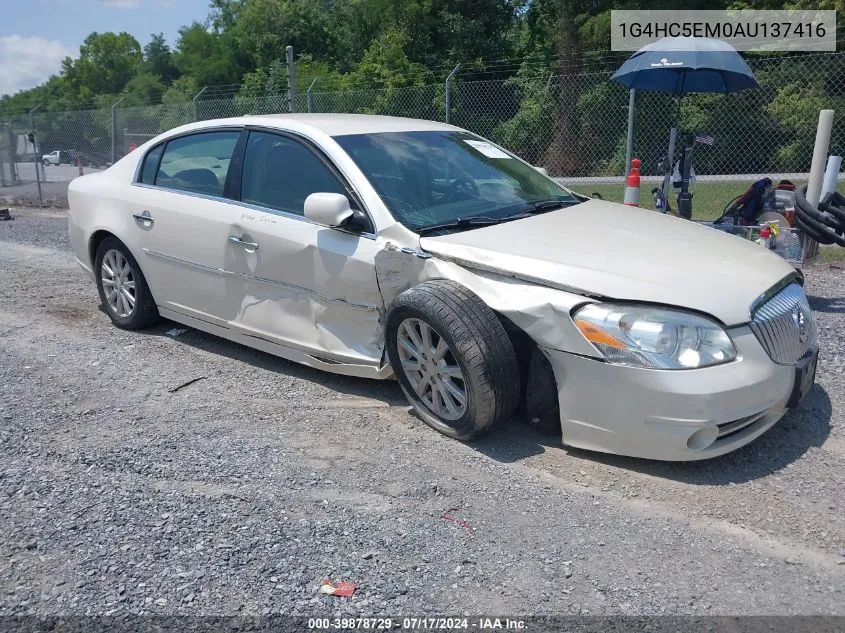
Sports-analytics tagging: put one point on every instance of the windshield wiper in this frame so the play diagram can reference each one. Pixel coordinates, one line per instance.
(541, 206)
(460, 223)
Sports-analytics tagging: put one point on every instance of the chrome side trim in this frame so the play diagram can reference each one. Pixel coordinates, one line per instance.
(350, 367)
(183, 262)
(230, 273)
(300, 289)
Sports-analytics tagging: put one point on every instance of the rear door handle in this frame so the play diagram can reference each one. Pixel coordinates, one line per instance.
(143, 216)
(250, 246)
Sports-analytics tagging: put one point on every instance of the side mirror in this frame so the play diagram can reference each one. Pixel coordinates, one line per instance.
(542, 170)
(330, 209)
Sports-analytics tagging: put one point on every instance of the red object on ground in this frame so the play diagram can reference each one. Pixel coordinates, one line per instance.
(447, 516)
(765, 232)
(341, 589)
(133, 147)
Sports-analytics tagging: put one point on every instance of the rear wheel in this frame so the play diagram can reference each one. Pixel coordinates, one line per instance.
(453, 358)
(122, 287)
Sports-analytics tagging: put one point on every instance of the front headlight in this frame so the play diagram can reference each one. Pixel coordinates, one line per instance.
(643, 336)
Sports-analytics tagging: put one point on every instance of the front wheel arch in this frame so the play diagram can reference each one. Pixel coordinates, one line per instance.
(478, 344)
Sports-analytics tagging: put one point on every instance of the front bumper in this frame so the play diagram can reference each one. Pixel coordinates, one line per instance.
(671, 414)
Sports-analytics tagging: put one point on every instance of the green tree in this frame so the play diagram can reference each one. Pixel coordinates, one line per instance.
(386, 65)
(264, 28)
(158, 59)
(206, 57)
(181, 91)
(144, 89)
(106, 63)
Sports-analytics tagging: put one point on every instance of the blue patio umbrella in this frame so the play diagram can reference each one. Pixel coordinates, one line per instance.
(680, 65)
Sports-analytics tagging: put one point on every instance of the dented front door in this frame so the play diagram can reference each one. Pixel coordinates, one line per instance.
(304, 286)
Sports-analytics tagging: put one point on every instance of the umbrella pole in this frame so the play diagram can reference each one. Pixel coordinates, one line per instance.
(670, 156)
(667, 172)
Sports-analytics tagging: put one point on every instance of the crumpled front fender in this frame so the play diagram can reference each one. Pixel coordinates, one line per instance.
(542, 313)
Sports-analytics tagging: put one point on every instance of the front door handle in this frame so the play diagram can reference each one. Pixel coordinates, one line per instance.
(145, 217)
(249, 246)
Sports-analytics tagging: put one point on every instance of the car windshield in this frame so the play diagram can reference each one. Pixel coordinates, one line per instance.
(434, 178)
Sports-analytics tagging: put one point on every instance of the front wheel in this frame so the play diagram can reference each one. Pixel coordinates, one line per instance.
(122, 287)
(453, 359)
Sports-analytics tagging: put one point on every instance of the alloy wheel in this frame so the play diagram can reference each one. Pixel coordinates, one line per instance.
(118, 281)
(432, 369)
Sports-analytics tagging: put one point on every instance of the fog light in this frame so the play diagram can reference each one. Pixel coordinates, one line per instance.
(703, 438)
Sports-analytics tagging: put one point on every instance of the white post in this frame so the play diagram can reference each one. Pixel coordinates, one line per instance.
(814, 185)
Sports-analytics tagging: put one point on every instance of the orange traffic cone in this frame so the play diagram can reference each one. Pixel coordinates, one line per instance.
(632, 185)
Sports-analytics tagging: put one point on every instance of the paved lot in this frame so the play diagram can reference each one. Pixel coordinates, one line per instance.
(53, 189)
(240, 492)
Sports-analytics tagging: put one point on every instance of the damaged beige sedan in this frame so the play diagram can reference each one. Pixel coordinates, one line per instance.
(380, 247)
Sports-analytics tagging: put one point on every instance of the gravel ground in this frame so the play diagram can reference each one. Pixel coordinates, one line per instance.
(239, 493)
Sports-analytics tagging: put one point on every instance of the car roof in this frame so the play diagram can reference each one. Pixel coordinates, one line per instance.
(344, 124)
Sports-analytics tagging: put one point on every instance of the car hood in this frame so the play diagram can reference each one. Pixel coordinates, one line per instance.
(614, 251)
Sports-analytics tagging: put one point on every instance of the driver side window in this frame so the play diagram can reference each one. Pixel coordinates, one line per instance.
(280, 172)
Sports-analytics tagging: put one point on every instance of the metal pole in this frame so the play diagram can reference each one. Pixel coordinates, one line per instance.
(35, 160)
(114, 129)
(449, 92)
(194, 101)
(308, 96)
(629, 143)
(291, 85)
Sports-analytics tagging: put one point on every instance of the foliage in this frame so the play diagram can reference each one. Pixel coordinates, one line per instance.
(534, 77)
(106, 63)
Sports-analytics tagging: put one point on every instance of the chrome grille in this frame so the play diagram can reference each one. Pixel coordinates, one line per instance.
(785, 325)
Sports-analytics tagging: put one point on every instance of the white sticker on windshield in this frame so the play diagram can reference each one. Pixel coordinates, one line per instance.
(485, 148)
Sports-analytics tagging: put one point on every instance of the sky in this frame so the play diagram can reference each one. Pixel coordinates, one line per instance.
(35, 35)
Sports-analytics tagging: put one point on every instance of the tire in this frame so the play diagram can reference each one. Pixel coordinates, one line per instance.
(116, 256)
(477, 347)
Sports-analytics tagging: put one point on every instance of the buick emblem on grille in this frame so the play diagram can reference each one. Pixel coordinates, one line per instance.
(800, 321)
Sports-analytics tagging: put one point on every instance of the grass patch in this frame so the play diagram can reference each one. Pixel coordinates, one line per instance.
(708, 202)
(831, 254)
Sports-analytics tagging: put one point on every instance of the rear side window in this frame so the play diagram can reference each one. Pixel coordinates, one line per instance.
(197, 163)
(280, 173)
(148, 171)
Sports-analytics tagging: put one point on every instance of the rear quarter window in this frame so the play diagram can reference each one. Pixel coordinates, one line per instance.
(148, 171)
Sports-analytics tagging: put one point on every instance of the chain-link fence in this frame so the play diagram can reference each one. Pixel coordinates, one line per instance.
(574, 125)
